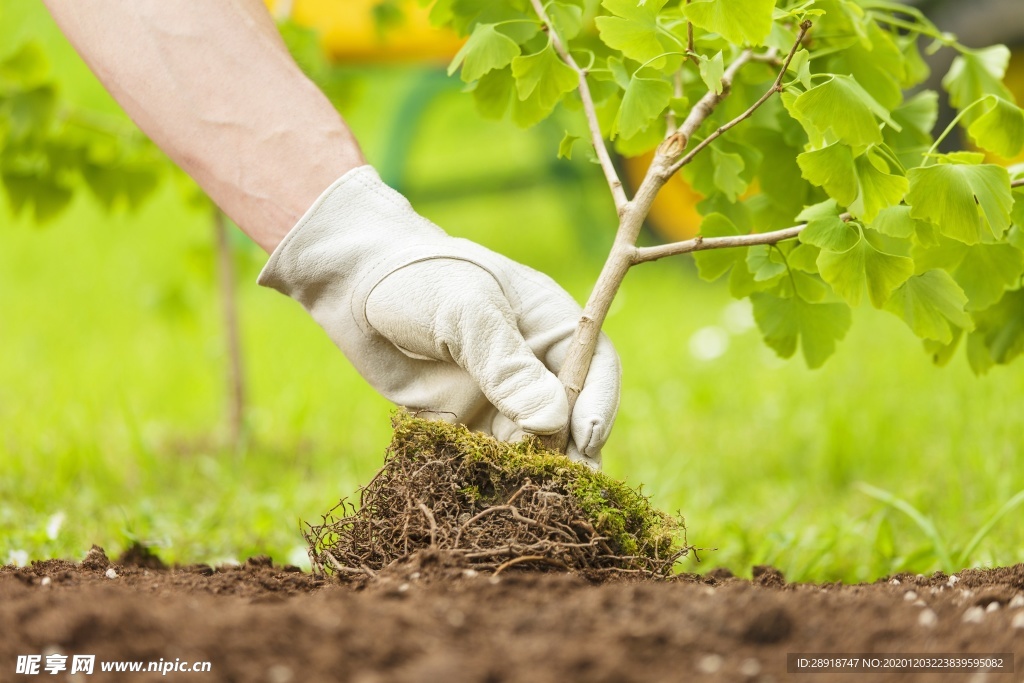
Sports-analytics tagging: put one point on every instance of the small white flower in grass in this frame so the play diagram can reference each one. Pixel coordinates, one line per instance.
(19, 558)
(709, 343)
(738, 316)
(54, 524)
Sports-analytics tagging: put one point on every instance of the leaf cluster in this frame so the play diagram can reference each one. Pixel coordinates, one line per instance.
(49, 148)
(848, 149)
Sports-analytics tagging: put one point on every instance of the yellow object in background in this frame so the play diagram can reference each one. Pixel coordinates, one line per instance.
(674, 214)
(350, 32)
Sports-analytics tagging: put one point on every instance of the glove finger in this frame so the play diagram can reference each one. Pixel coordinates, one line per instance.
(574, 454)
(483, 338)
(598, 402)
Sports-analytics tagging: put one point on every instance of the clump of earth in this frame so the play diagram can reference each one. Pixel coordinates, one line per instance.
(472, 501)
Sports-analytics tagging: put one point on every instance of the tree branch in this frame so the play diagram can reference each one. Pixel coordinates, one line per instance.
(645, 254)
(1017, 183)
(605, 159)
(776, 87)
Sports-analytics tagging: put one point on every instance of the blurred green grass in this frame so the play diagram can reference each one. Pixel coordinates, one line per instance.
(112, 398)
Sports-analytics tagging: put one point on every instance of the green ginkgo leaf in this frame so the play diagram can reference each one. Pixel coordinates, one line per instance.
(825, 229)
(487, 49)
(878, 188)
(765, 263)
(842, 106)
(738, 21)
(711, 71)
(895, 221)
(849, 271)
(999, 337)
(543, 78)
(644, 100)
(976, 73)
(931, 304)
(633, 29)
(567, 19)
(877, 65)
(728, 178)
(817, 327)
(833, 169)
(565, 146)
(965, 202)
(1000, 129)
(984, 271)
(714, 263)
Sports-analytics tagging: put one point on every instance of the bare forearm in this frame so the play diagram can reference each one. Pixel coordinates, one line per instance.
(213, 85)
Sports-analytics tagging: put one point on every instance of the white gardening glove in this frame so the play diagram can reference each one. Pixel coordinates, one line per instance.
(438, 324)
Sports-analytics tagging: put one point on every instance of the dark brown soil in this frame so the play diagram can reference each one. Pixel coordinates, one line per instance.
(428, 620)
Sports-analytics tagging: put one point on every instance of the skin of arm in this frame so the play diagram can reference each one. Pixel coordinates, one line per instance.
(212, 84)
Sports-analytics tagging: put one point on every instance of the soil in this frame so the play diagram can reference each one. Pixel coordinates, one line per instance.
(428, 620)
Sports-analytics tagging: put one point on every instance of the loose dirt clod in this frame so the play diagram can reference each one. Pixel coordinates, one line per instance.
(493, 506)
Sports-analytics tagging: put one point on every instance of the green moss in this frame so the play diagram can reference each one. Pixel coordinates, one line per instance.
(616, 510)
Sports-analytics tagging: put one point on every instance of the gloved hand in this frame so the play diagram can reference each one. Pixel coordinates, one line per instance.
(439, 324)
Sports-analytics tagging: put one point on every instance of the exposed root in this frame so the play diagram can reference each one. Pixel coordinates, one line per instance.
(493, 506)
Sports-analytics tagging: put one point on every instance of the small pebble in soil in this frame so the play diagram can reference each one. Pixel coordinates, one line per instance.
(279, 673)
(710, 664)
(894, 582)
(1018, 620)
(469, 573)
(111, 574)
(953, 580)
(750, 667)
(910, 596)
(1017, 602)
(992, 607)
(973, 615)
(45, 581)
(927, 618)
(404, 587)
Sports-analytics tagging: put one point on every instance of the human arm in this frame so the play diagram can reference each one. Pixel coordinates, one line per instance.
(434, 323)
(212, 84)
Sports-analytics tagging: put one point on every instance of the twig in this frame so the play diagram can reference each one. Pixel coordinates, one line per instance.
(645, 254)
(1019, 182)
(776, 87)
(340, 567)
(605, 159)
(699, 243)
(433, 524)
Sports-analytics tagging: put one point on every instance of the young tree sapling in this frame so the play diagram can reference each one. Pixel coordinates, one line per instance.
(832, 185)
